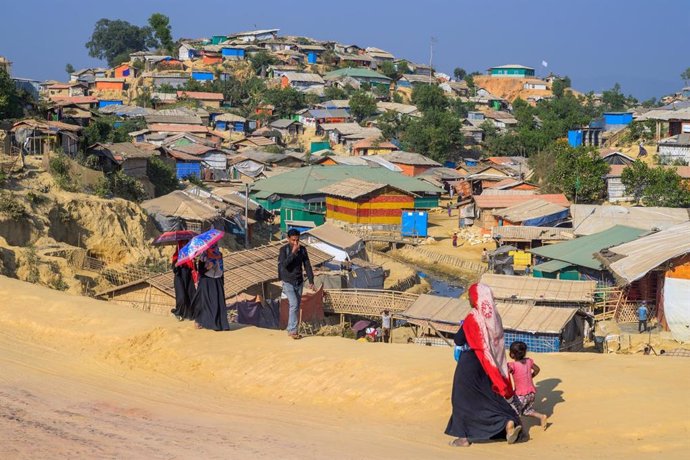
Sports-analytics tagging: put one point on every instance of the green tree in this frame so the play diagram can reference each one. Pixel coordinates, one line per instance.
(429, 98)
(121, 133)
(613, 100)
(655, 186)
(334, 93)
(459, 73)
(403, 68)
(260, 62)
(461, 108)
(10, 100)
(114, 40)
(99, 130)
(69, 68)
(362, 105)
(436, 134)
(160, 24)
(685, 76)
(388, 69)
(286, 101)
(162, 176)
(392, 124)
(576, 172)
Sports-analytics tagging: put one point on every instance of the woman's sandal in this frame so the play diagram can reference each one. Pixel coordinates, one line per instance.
(514, 435)
(459, 442)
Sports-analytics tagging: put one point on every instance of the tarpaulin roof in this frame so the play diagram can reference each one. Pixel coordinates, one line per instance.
(509, 287)
(592, 218)
(534, 209)
(444, 313)
(580, 251)
(492, 201)
(535, 318)
(335, 236)
(529, 233)
(551, 266)
(645, 254)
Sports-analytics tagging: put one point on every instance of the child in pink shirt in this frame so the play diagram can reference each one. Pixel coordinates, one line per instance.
(523, 370)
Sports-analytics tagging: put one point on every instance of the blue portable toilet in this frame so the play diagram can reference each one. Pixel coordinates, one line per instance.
(311, 57)
(470, 162)
(575, 137)
(415, 223)
(449, 164)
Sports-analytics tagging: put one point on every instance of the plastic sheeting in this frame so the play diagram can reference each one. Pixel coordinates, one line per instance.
(676, 309)
(545, 221)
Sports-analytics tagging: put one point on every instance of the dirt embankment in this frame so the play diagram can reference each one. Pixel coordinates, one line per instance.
(41, 225)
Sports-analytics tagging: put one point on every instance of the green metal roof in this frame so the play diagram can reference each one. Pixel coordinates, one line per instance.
(354, 72)
(551, 266)
(580, 251)
(309, 180)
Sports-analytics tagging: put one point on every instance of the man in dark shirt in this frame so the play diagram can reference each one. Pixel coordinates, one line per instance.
(293, 256)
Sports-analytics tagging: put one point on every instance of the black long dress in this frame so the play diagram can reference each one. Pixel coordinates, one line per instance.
(479, 414)
(209, 303)
(184, 292)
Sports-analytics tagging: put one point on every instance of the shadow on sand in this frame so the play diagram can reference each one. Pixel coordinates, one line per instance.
(548, 396)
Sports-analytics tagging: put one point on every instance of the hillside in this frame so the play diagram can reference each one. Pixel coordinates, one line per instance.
(510, 88)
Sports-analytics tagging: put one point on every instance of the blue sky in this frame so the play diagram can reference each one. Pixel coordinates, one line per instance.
(642, 44)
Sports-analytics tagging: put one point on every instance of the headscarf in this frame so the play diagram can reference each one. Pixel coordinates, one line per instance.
(484, 332)
(214, 256)
(189, 264)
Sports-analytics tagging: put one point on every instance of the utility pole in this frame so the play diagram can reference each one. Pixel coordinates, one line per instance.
(246, 216)
(431, 54)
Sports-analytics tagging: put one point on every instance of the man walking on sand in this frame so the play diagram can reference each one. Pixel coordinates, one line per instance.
(292, 257)
(642, 313)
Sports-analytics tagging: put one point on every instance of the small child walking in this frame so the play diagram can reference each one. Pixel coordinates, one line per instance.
(523, 370)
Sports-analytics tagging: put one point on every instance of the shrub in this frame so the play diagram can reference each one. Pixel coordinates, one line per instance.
(11, 207)
(121, 185)
(162, 176)
(60, 170)
(32, 262)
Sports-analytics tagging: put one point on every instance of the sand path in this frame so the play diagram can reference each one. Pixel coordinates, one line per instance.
(87, 379)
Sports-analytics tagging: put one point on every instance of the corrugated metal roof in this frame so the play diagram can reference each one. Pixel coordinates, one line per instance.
(647, 253)
(580, 251)
(311, 179)
(304, 77)
(230, 117)
(531, 209)
(592, 218)
(354, 72)
(504, 201)
(351, 188)
(551, 266)
(410, 158)
(176, 128)
(507, 287)
(204, 96)
(335, 236)
(529, 233)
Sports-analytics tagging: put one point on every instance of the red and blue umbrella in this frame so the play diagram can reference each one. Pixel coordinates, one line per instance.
(174, 237)
(198, 245)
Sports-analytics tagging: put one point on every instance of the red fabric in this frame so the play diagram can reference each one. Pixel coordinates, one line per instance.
(522, 376)
(189, 264)
(484, 332)
(311, 307)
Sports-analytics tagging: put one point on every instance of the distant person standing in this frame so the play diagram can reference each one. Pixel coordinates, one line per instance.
(386, 325)
(450, 209)
(642, 314)
(455, 240)
(291, 259)
(528, 270)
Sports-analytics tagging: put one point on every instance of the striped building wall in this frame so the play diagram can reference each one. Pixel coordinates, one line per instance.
(384, 208)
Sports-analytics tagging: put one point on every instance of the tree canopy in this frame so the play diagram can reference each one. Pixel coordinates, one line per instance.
(286, 101)
(459, 73)
(160, 24)
(685, 76)
(362, 105)
(436, 134)
(429, 97)
(114, 40)
(578, 173)
(10, 100)
(655, 186)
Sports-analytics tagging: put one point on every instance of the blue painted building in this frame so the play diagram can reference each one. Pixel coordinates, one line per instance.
(200, 75)
(617, 119)
(106, 102)
(233, 52)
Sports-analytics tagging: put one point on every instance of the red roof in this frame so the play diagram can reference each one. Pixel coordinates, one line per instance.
(174, 128)
(504, 201)
(200, 95)
(75, 99)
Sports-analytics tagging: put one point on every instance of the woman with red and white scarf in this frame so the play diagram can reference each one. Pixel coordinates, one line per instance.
(482, 392)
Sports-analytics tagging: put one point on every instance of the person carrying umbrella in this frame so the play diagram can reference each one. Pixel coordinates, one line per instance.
(185, 274)
(209, 302)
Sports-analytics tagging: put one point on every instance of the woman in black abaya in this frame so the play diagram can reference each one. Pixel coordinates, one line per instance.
(185, 290)
(209, 301)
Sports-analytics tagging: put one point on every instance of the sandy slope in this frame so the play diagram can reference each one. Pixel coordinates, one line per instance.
(82, 378)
